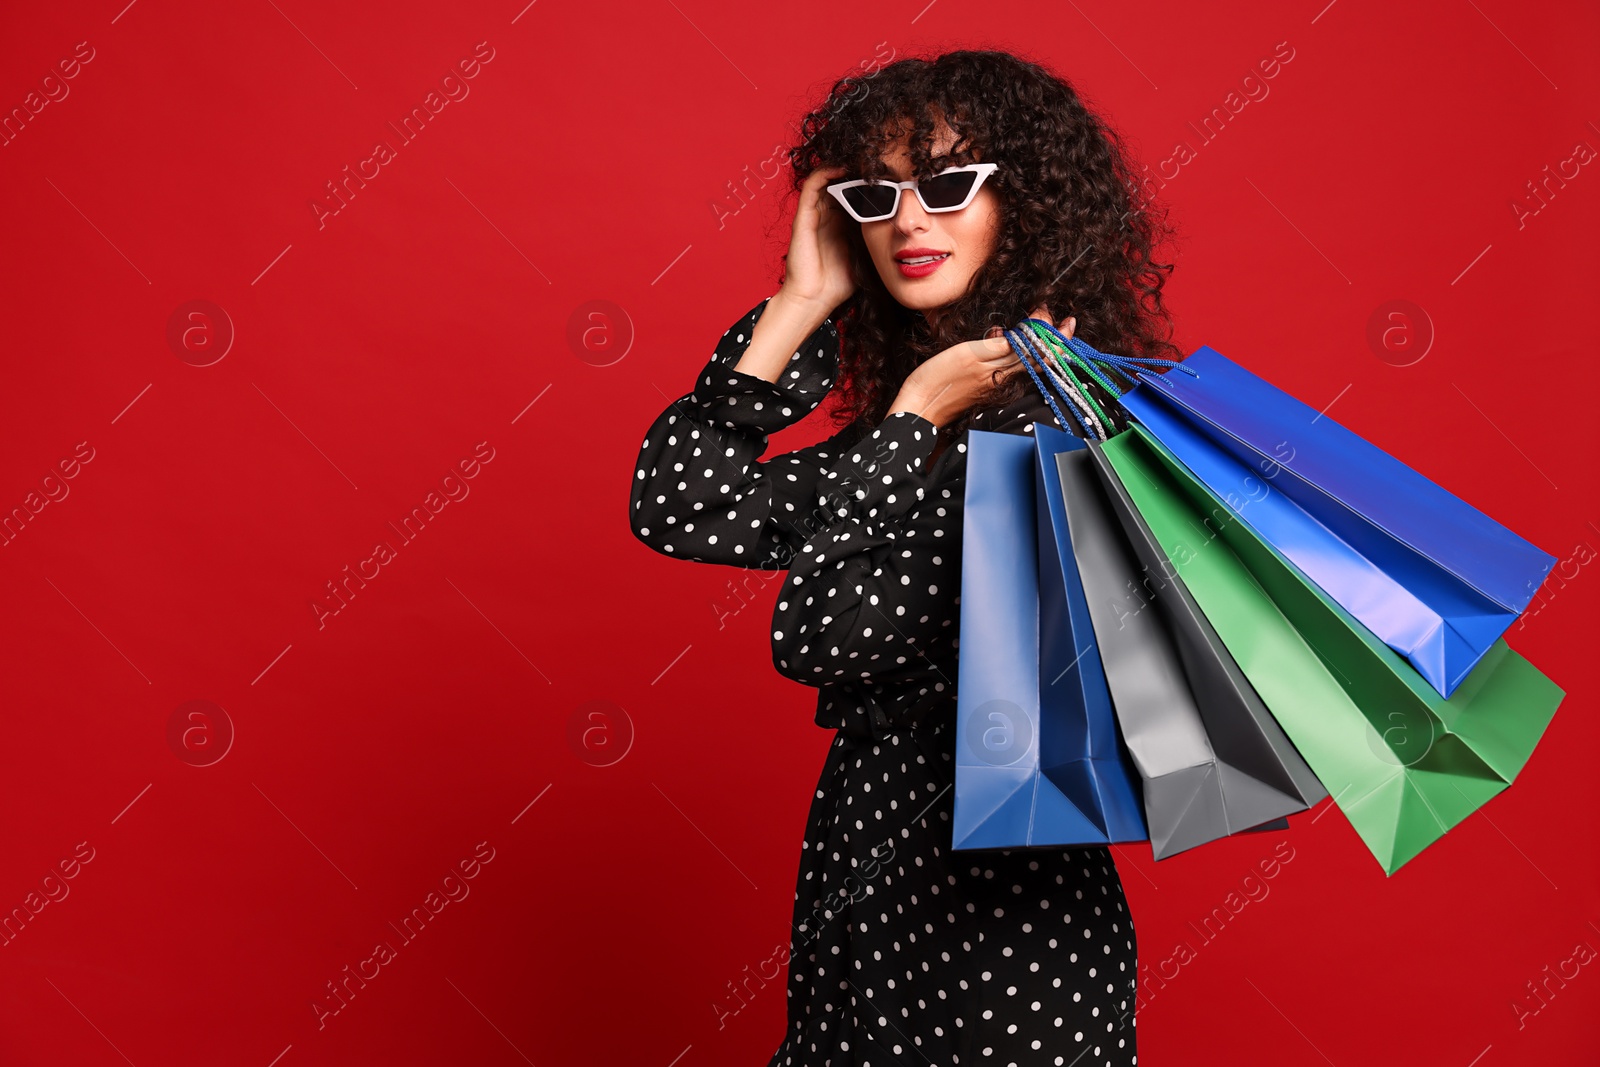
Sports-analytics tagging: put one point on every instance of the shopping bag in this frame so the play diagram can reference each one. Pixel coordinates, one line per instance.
(1403, 763)
(1433, 577)
(1038, 760)
(1211, 759)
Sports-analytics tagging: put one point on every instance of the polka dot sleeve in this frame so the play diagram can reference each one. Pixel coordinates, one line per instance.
(866, 595)
(700, 490)
(735, 400)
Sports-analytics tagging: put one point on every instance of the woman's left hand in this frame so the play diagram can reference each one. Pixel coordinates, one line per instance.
(948, 385)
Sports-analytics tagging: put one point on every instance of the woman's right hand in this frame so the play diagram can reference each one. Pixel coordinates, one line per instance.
(817, 269)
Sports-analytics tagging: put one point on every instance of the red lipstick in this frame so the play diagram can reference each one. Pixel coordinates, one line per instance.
(920, 262)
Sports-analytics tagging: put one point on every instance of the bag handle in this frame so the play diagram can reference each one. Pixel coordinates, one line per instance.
(1132, 368)
(1080, 371)
(1023, 346)
(1070, 358)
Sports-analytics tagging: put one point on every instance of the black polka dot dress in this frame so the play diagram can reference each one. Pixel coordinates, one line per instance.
(903, 951)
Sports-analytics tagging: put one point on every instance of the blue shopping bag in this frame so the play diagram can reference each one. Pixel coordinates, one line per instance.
(1039, 760)
(1431, 576)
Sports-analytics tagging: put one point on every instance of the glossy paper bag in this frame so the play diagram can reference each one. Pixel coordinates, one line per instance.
(1403, 763)
(1212, 760)
(1038, 757)
(1433, 577)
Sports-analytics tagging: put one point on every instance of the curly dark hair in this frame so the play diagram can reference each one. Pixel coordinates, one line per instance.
(1075, 237)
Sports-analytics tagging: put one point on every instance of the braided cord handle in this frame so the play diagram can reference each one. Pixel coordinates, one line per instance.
(1073, 366)
(1062, 352)
(1090, 417)
(1132, 368)
(1020, 346)
(1069, 384)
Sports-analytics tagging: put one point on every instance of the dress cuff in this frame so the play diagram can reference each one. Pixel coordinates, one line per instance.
(736, 400)
(881, 478)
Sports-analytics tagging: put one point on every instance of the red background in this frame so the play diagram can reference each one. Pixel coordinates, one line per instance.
(446, 703)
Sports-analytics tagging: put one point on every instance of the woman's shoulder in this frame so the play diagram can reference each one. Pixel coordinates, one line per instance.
(1019, 415)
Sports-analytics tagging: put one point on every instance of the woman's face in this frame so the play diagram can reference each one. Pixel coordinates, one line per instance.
(959, 241)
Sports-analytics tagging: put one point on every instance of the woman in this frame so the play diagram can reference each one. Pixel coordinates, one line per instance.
(903, 951)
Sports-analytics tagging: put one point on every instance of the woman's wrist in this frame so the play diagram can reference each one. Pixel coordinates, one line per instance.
(914, 403)
(801, 308)
(782, 328)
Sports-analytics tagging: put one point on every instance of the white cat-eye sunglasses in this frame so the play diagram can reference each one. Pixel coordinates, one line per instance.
(950, 190)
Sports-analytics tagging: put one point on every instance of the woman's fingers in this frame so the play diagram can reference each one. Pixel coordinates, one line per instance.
(815, 196)
(1063, 328)
(822, 176)
(995, 350)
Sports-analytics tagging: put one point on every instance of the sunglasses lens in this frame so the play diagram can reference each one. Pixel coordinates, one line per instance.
(871, 201)
(944, 191)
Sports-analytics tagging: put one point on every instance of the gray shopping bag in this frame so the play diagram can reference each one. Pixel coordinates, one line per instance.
(1212, 759)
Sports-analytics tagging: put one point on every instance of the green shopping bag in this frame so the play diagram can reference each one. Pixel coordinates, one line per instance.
(1403, 763)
